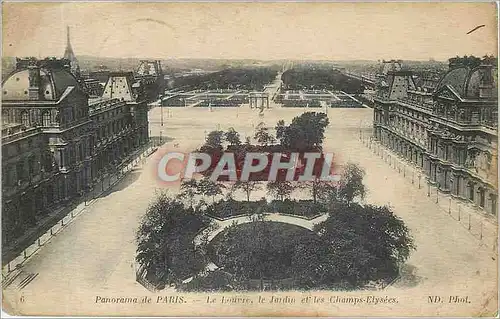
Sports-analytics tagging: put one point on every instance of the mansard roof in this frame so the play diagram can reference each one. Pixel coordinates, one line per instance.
(465, 81)
(120, 85)
(55, 78)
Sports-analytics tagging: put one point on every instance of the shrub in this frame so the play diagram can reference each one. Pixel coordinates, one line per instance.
(165, 241)
(231, 207)
(306, 208)
(217, 280)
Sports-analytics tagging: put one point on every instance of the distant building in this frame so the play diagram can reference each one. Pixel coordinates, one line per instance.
(101, 76)
(56, 143)
(70, 55)
(93, 87)
(447, 127)
(150, 76)
(123, 86)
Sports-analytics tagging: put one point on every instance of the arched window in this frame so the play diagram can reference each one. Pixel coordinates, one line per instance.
(25, 119)
(5, 116)
(46, 118)
(470, 187)
(481, 193)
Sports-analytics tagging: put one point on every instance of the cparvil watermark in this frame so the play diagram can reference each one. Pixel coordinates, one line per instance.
(228, 166)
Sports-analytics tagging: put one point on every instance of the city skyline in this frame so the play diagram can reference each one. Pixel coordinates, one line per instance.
(249, 159)
(264, 31)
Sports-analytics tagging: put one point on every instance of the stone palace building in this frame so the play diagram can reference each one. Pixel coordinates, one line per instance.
(448, 127)
(62, 133)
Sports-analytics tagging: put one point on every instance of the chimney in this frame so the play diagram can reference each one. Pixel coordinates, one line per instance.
(486, 85)
(34, 89)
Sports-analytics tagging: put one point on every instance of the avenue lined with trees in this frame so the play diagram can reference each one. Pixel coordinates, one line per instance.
(252, 79)
(320, 78)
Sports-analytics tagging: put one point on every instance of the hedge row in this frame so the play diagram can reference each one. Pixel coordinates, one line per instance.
(230, 208)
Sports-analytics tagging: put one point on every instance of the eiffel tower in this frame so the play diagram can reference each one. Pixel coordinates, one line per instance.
(70, 55)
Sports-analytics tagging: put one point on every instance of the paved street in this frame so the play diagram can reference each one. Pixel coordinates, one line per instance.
(94, 255)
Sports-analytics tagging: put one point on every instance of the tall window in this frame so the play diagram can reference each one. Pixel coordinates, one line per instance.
(5, 116)
(493, 199)
(471, 191)
(25, 119)
(46, 118)
(481, 197)
(80, 149)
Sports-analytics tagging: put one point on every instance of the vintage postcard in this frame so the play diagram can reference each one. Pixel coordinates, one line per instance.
(250, 159)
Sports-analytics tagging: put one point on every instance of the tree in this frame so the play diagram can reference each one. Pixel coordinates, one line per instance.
(280, 129)
(351, 185)
(327, 192)
(305, 133)
(207, 187)
(260, 249)
(215, 139)
(280, 189)
(232, 137)
(263, 136)
(165, 248)
(349, 188)
(247, 186)
(312, 263)
(319, 189)
(189, 189)
(370, 242)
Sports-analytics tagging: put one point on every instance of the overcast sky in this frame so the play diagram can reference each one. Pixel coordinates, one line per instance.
(327, 31)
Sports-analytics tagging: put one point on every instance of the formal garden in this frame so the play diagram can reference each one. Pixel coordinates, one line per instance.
(319, 78)
(252, 79)
(316, 234)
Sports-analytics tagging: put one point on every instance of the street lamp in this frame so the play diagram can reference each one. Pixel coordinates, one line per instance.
(161, 108)
(437, 193)
(161, 114)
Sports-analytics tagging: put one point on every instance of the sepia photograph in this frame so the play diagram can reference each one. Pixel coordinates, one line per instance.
(250, 159)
